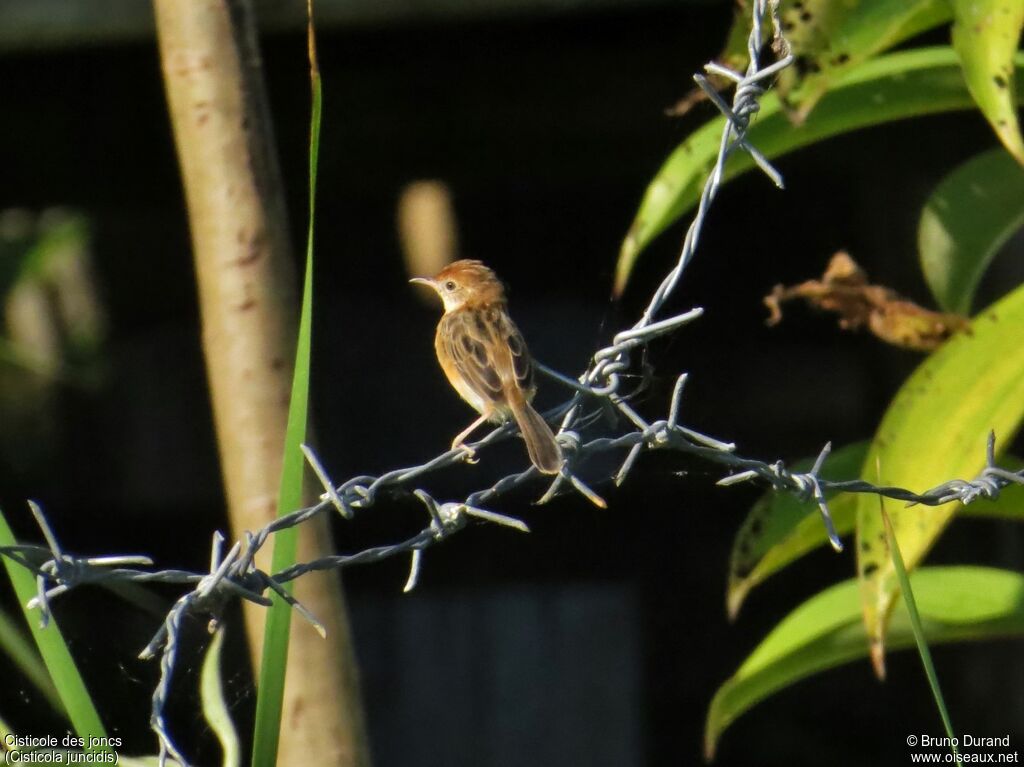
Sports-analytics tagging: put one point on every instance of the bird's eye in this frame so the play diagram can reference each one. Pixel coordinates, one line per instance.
(449, 286)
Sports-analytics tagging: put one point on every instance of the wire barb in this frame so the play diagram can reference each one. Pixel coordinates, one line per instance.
(331, 494)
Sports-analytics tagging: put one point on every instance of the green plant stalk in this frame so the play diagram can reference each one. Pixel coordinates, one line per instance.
(276, 634)
(54, 651)
(915, 623)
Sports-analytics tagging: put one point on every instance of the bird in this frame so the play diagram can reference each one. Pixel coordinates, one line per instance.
(484, 357)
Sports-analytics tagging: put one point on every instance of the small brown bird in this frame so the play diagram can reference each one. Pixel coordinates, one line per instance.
(485, 358)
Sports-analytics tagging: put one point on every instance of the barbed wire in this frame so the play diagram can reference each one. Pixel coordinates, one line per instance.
(596, 392)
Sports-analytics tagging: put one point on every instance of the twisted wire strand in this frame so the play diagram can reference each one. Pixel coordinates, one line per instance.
(596, 391)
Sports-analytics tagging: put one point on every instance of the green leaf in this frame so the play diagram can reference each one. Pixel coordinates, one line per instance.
(829, 38)
(935, 430)
(276, 632)
(54, 651)
(967, 219)
(917, 628)
(893, 87)
(16, 646)
(985, 36)
(215, 708)
(780, 529)
(955, 603)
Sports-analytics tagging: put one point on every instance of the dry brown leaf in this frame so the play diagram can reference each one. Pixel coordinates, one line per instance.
(844, 289)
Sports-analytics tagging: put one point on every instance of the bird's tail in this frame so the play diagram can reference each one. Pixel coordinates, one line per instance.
(540, 442)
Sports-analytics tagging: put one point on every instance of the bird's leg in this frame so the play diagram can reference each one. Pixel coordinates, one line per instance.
(457, 442)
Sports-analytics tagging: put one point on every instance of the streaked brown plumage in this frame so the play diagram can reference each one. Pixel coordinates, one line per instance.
(485, 358)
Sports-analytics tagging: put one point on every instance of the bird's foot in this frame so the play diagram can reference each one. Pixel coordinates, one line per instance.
(468, 453)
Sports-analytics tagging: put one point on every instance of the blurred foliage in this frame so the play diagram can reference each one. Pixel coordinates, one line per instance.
(53, 325)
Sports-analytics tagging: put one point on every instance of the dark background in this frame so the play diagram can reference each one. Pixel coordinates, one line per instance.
(600, 638)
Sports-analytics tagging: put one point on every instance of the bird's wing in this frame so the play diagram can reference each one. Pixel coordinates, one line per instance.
(519, 358)
(467, 343)
(487, 350)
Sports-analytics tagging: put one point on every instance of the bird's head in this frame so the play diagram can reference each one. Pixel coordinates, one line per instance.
(464, 283)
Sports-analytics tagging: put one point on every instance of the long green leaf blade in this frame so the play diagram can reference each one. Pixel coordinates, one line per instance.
(955, 604)
(967, 219)
(276, 633)
(893, 87)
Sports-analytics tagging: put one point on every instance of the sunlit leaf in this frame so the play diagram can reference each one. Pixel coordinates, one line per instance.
(955, 603)
(985, 36)
(935, 430)
(892, 87)
(971, 213)
(829, 38)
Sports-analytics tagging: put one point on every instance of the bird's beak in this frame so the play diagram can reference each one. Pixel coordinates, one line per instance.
(422, 281)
